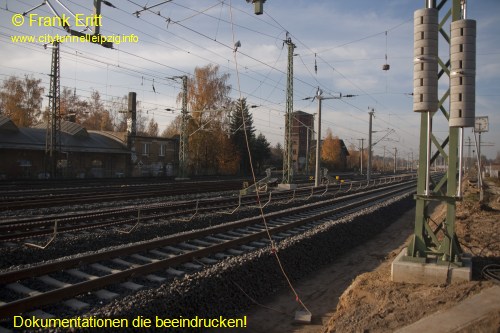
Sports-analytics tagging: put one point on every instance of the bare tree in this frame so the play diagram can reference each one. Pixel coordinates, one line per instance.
(152, 128)
(118, 111)
(98, 117)
(72, 107)
(173, 129)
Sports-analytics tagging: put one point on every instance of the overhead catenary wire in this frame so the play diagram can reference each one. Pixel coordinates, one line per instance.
(274, 249)
(265, 80)
(132, 2)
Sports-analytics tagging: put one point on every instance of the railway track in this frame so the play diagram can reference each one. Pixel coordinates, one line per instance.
(169, 256)
(20, 229)
(38, 198)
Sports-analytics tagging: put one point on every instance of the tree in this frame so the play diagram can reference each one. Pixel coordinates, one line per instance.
(119, 112)
(277, 156)
(207, 90)
(140, 119)
(21, 100)
(152, 128)
(173, 129)
(208, 100)
(72, 107)
(242, 134)
(98, 117)
(262, 152)
(353, 158)
(331, 151)
(227, 158)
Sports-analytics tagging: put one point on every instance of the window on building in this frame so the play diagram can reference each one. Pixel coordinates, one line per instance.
(162, 149)
(145, 149)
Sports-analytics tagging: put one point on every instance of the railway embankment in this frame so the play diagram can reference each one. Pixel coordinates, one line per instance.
(230, 287)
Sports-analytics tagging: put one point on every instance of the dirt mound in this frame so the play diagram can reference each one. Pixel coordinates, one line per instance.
(375, 304)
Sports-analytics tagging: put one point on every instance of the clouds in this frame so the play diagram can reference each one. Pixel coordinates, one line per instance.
(348, 38)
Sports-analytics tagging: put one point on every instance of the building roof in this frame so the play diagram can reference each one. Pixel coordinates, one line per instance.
(344, 148)
(68, 127)
(7, 125)
(302, 113)
(74, 138)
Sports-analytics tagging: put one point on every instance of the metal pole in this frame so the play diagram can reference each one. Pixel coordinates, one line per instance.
(461, 131)
(318, 143)
(395, 159)
(53, 139)
(460, 161)
(287, 152)
(480, 171)
(383, 162)
(184, 137)
(369, 166)
(411, 161)
(427, 244)
(307, 152)
(361, 156)
(469, 144)
(428, 153)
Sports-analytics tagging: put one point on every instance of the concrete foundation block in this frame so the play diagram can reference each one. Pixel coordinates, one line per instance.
(428, 273)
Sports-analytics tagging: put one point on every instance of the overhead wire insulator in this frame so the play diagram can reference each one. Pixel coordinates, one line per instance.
(315, 65)
(386, 66)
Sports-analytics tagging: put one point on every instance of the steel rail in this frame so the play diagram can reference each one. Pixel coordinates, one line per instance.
(66, 223)
(20, 203)
(55, 295)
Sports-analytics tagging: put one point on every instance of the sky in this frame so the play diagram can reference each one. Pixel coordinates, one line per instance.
(341, 47)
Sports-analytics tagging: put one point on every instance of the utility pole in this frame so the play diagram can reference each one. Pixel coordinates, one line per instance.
(429, 244)
(184, 137)
(481, 125)
(287, 151)
(320, 98)
(307, 151)
(383, 162)
(131, 130)
(469, 144)
(362, 141)
(411, 165)
(395, 160)
(53, 138)
(318, 141)
(369, 166)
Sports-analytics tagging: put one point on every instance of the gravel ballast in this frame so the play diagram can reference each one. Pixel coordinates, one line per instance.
(231, 286)
(220, 289)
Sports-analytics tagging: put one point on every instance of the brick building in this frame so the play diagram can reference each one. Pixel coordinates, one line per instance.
(83, 153)
(302, 138)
